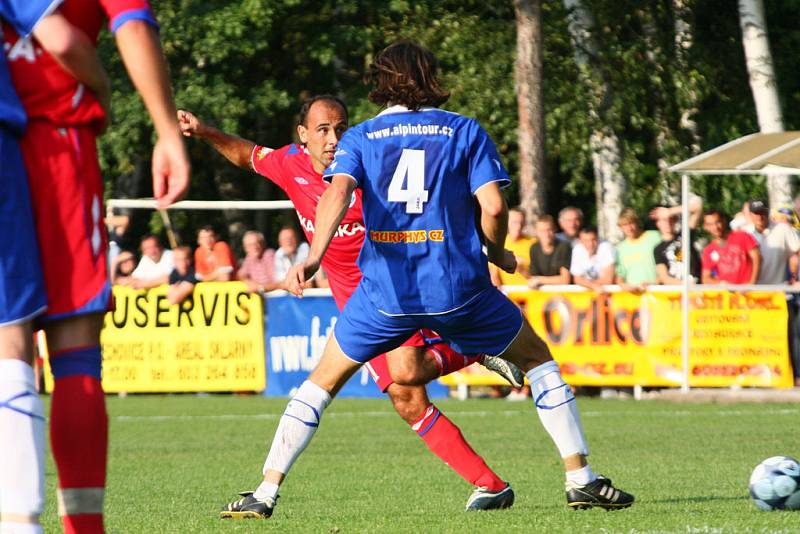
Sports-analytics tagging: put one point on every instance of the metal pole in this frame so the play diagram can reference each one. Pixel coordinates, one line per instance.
(687, 258)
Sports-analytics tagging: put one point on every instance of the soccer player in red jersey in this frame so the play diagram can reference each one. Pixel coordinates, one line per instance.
(66, 188)
(297, 169)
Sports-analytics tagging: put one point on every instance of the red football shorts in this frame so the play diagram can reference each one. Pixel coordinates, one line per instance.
(378, 367)
(67, 196)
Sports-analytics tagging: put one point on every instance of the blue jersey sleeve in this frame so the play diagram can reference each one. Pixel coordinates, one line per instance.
(24, 15)
(484, 164)
(348, 159)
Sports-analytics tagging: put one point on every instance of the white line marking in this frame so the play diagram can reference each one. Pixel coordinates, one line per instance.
(479, 413)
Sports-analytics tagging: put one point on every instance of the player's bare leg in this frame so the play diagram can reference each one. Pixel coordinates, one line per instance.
(21, 433)
(555, 404)
(295, 430)
(416, 366)
(78, 420)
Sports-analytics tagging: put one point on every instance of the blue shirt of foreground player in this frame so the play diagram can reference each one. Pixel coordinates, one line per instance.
(23, 15)
(419, 171)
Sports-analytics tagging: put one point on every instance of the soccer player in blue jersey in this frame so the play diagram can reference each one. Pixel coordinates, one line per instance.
(421, 171)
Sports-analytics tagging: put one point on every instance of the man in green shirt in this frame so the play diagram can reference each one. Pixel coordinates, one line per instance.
(636, 266)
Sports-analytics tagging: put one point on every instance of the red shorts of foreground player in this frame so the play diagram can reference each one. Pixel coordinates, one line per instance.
(67, 197)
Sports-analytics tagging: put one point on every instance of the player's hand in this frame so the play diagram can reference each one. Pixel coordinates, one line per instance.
(170, 170)
(299, 276)
(188, 123)
(507, 261)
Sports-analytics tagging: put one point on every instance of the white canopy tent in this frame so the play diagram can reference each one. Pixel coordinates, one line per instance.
(758, 153)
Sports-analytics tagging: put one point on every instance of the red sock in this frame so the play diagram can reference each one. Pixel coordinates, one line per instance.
(445, 440)
(79, 440)
(448, 360)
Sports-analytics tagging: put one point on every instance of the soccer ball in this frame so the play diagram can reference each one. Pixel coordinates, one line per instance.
(775, 484)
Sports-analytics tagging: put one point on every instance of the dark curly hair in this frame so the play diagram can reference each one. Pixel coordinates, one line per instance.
(405, 73)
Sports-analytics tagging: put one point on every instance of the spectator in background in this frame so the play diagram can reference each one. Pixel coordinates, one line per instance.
(550, 257)
(122, 267)
(154, 266)
(570, 219)
(636, 265)
(182, 278)
(778, 244)
(117, 226)
(258, 267)
(592, 264)
(213, 259)
(290, 252)
(732, 257)
(668, 254)
(518, 243)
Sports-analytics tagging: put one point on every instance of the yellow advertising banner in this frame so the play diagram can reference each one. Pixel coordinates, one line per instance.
(627, 339)
(213, 341)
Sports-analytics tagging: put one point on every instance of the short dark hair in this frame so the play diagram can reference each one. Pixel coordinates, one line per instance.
(714, 211)
(306, 107)
(206, 228)
(546, 219)
(589, 229)
(405, 73)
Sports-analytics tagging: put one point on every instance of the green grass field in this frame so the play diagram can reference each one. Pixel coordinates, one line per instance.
(175, 460)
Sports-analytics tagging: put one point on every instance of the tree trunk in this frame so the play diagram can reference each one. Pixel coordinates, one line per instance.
(763, 85)
(530, 135)
(603, 142)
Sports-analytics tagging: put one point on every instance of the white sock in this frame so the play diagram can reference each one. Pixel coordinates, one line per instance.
(555, 404)
(298, 425)
(582, 476)
(266, 490)
(7, 527)
(21, 445)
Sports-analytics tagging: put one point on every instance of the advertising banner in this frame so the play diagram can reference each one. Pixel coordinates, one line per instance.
(213, 341)
(297, 330)
(627, 339)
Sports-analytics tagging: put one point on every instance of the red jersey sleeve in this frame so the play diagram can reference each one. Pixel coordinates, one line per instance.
(121, 11)
(269, 164)
(749, 241)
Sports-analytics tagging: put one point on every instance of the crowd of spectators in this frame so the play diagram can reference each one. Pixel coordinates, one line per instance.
(262, 269)
(758, 246)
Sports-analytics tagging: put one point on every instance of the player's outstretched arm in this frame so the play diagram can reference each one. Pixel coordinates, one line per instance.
(141, 52)
(235, 149)
(494, 225)
(331, 210)
(76, 54)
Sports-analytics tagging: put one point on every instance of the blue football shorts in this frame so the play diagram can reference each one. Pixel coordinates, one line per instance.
(486, 324)
(22, 292)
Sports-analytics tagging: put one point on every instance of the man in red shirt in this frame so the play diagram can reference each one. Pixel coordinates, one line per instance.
(66, 186)
(732, 257)
(297, 169)
(213, 260)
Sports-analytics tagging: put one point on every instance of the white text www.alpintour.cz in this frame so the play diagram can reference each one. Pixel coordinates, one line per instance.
(411, 129)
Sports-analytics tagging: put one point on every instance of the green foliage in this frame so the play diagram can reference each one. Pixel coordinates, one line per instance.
(175, 460)
(246, 67)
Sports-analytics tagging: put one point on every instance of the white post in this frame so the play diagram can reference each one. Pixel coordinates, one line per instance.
(687, 258)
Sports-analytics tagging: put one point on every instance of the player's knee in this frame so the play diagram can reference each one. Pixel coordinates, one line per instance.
(407, 373)
(408, 401)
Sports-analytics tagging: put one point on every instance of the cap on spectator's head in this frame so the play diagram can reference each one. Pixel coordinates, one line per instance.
(758, 206)
(784, 209)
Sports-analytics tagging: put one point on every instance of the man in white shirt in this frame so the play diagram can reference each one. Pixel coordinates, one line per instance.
(592, 264)
(155, 266)
(779, 244)
(289, 252)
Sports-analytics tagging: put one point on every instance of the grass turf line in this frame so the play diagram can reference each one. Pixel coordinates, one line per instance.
(175, 460)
